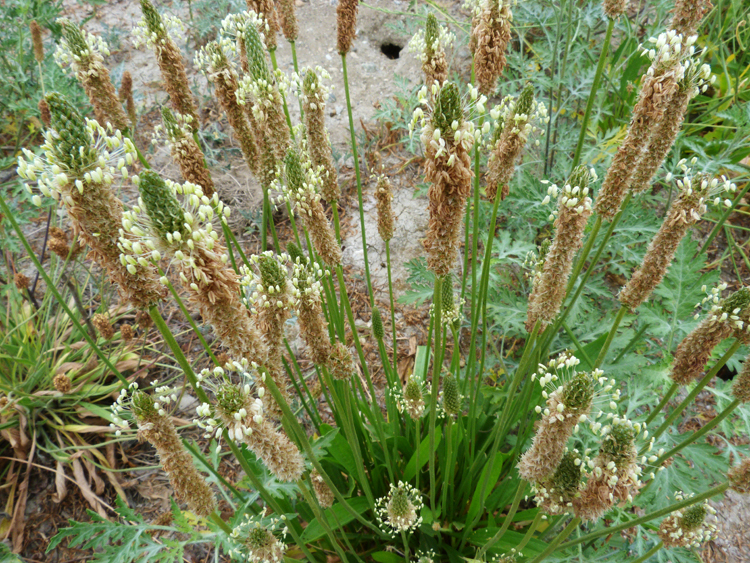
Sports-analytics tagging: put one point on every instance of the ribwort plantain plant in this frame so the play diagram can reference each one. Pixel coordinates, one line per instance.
(439, 466)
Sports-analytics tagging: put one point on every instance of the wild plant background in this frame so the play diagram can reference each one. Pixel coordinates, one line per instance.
(376, 281)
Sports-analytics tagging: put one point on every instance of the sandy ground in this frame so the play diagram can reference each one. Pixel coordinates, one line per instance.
(372, 76)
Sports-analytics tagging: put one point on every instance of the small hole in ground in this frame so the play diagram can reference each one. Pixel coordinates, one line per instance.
(390, 50)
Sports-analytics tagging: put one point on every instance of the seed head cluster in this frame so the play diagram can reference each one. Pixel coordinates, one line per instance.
(447, 137)
(156, 32)
(727, 317)
(156, 427)
(573, 212)
(85, 53)
(490, 35)
(80, 162)
(238, 408)
(429, 44)
(398, 511)
(514, 122)
(688, 527)
(695, 194)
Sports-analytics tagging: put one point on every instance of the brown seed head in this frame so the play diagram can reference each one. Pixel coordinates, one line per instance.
(103, 326)
(158, 429)
(127, 333)
(490, 36)
(289, 25)
(614, 8)
(574, 210)
(44, 113)
(267, 10)
(739, 476)
(21, 281)
(36, 41)
(448, 170)
(383, 198)
(126, 86)
(58, 242)
(346, 26)
(341, 363)
(688, 15)
(86, 57)
(62, 383)
(741, 385)
(322, 491)
(318, 143)
(685, 211)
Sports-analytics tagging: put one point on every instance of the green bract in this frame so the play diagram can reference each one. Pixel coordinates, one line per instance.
(162, 206)
(448, 109)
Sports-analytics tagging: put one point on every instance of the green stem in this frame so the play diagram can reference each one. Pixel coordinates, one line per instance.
(161, 325)
(296, 71)
(437, 314)
(722, 220)
(697, 389)
(479, 310)
(272, 52)
(655, 412)
(393, 307)
(700, 433)
(448, 471)
(264, 221)
(189, 319)
(556, 542)
(216, 519)
(312, 458)
(508, 519)
(336, 224)
(610, 336)
(355, 155)
(530, 532)
(649, 553)
(592, 93)
(717, 490)
(267, 497)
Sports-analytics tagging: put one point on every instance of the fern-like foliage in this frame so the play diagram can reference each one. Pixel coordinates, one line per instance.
(114, 542)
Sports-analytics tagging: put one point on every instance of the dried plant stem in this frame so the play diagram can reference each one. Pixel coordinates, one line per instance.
(359, 180)
(51, 286)
(697, 389)
(592, 93)
(714, 491)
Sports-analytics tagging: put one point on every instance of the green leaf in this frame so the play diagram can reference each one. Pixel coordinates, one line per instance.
(508, 541)
(336, 516)
(387, 557)
(424, 456)
(477, 500)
